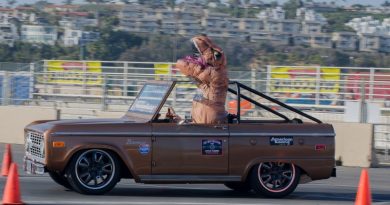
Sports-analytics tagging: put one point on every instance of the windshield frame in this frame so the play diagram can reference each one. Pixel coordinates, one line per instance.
(148, 117)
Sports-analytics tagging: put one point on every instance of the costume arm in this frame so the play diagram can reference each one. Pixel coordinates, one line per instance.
(199, 72)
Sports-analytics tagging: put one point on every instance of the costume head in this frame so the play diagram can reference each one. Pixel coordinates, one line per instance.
(207, 66)
(209, 52)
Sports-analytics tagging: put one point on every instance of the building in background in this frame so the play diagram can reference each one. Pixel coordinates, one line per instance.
(277, 13)
(321, 40)
(74, 37)
(78, 20)
(369, 42)
(384, 43)
(39, 34)
(8, 34)
(61, 8)
(347, 41)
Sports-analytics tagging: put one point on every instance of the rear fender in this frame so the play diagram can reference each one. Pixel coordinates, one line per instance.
(301, 163)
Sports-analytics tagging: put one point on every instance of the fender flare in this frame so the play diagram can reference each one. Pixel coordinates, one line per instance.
(126, 161)
(259, 160)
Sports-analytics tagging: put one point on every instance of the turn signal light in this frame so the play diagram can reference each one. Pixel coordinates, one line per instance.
(58, 144)
(320, 147)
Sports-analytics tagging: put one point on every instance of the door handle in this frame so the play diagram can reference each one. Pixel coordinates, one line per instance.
(222, 127)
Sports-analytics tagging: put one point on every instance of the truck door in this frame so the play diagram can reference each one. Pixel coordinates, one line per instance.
(189, 149)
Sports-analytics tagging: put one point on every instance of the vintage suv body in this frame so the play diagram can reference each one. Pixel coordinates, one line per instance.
(269, 157)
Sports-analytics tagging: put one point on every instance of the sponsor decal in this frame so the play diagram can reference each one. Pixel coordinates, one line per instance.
(144, 149)
(211, 147)
(68, 72)
(281, 141)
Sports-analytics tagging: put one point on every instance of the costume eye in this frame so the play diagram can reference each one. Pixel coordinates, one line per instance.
(217, 55)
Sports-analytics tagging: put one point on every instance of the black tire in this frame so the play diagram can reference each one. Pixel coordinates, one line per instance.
(60, 179)
(238, 186)
(275, 179)
(100, 166)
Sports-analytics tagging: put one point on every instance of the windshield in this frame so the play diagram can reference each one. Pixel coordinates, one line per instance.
(149, 99)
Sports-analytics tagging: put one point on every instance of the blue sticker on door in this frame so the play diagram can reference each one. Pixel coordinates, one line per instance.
(144, 149)
(211, 147)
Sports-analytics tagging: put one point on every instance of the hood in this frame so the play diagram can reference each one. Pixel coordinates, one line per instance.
(88, 124)
(89, 121)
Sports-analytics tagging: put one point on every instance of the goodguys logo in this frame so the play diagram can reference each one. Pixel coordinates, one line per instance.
(281, 141)
(211, 147)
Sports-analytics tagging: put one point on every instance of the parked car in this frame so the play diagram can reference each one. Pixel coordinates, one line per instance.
(270, 157)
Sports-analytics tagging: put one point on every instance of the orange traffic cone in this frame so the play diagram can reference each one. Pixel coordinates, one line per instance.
(7, 160)
(363, 196)
(11, 191)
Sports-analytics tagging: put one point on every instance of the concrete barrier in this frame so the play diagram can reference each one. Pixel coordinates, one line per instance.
(354, 141)
(354, 144)
(13, 119)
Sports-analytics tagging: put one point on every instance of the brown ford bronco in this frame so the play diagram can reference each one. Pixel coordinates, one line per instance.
(269, 157)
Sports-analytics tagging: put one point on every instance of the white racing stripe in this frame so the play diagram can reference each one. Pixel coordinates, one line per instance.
(174, 187)
(135, 203)
(345, 186)
(340, 197)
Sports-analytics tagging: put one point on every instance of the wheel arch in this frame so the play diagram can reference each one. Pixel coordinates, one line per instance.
(126, 168)
(256, 162)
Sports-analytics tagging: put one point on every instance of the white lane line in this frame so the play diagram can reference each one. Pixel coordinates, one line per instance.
(333, 185)
(136, 203)
(327, 197)
(338, 197)
(382, 203)
(339, 185)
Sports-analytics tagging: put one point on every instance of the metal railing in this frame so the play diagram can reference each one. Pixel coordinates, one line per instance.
(80, 88)
(112, 85)
(317, 85)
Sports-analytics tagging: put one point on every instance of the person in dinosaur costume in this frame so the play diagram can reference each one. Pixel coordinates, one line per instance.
(207, 67)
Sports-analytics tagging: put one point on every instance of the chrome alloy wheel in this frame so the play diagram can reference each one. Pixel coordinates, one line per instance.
(94, 169)
(276, 176)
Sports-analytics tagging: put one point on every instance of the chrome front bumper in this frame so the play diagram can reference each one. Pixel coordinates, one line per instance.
(31, 166)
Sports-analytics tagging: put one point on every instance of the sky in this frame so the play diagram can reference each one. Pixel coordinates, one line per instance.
(348, 2)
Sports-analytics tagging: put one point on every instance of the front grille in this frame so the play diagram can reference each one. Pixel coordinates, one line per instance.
(35, 144)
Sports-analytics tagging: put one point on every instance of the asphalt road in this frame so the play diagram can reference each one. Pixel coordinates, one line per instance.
(340, 190)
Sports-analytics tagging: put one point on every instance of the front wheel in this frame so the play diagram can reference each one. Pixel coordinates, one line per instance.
(275, 179)
(93, 171)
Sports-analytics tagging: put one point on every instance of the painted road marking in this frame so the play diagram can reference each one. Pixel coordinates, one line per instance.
(137, 203)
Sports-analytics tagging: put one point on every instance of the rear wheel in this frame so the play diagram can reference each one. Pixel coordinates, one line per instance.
(275, 179)
(60, 179)
(238, 186)
(94, 171)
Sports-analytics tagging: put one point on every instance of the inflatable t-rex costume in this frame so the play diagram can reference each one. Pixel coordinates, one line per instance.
(208, 68)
